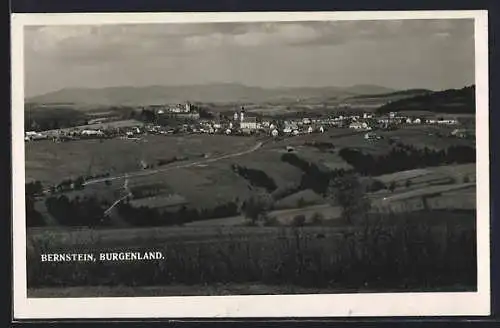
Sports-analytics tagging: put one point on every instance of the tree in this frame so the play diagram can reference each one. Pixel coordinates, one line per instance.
(317, 218)
(256, 206)
(392, 186)
(375, 186)
(348, 192)
(301, 202)
(299, 220)
(78, 183)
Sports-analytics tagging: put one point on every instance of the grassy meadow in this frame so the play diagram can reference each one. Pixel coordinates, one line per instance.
(414, 252)
(51, 162)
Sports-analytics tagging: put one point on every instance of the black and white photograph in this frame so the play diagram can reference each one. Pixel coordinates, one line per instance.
(250, 164)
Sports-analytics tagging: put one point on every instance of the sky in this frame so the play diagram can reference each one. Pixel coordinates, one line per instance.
(432, 54)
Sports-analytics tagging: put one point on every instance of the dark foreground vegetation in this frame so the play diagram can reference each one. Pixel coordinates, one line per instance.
(419, 251)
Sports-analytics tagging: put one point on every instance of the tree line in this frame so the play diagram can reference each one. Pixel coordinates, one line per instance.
(452, 101)
(33, 217)
(257, 178)
(86, 211)
(406, 157)
(313, 177)
(143, 216)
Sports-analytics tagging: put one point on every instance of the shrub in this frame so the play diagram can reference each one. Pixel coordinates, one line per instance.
(270, 221)
(317, 218)
(376, 185)
(254, 207)
(299, 220)
(301, 202)
(348, 192)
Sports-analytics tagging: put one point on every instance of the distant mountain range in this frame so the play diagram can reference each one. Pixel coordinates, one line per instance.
(452, 101)
(212, 93)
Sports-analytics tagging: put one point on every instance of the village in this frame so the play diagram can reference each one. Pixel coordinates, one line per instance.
(184, 119)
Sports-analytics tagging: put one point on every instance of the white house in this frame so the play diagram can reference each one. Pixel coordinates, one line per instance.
(310, 130)
(31, 135)
(92, 133)
(358, 125)
(249, 123)
(448, 122)
(175, 110)
(371, 136)
(321, 129)
(417, 121)
(274, 133)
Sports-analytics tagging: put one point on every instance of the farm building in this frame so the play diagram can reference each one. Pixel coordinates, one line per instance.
(371, 136)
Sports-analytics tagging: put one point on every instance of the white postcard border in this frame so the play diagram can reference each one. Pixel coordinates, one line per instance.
(331, 305)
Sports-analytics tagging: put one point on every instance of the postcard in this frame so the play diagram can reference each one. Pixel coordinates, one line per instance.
(250, 165)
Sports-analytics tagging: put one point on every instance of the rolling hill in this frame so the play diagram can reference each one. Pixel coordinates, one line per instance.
(214, 93)
(451, 101)
(396, 94)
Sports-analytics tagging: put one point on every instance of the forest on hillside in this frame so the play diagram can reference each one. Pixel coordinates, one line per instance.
(452, 101)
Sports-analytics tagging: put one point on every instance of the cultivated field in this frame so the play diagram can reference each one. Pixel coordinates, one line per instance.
(51, 162)
(212, 182)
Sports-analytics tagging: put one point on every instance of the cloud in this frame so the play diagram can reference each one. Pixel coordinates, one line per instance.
(115, 41)
(167, 53)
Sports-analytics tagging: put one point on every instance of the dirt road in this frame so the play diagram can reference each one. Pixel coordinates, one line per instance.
(169, 168)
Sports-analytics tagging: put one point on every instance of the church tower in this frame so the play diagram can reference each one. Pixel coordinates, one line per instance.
(242, 114)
